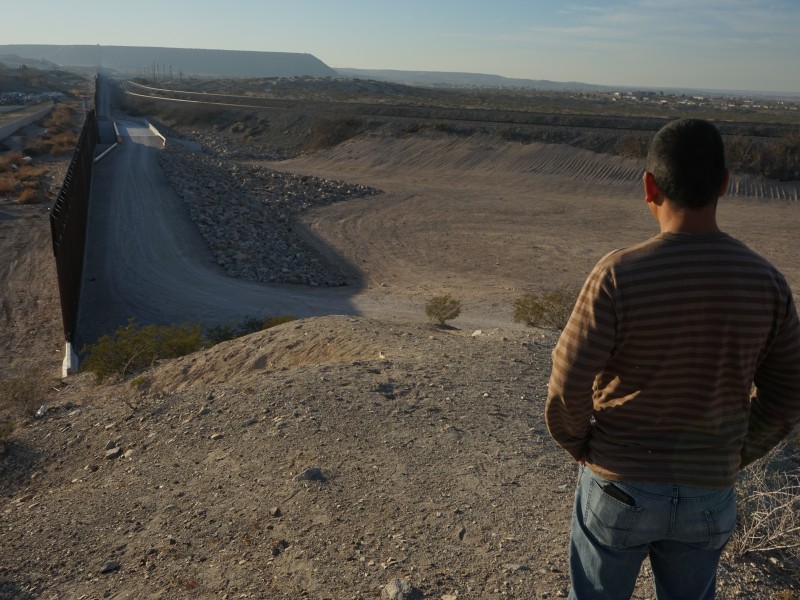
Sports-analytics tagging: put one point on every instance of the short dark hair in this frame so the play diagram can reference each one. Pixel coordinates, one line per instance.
(687, 160)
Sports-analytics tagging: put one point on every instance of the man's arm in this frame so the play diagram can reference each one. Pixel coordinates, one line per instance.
(582, 351)
(775, 410)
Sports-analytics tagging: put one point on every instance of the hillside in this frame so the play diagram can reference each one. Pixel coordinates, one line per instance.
(133, 60)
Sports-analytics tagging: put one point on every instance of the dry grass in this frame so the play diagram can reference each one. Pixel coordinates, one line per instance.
(22, 396)
(52, 144)
(9, 159)
(63, 142)
(769, 506)
(8, 184)
(24, 182)
(28, 173)
(60, 119)
(61, 133)
(28, 196)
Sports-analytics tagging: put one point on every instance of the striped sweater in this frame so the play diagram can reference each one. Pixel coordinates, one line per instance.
(680, 362)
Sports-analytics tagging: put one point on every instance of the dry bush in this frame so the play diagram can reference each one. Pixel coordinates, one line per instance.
(28, 196)
(134, 348)
(327, 133)
(22, 183)
(9, 159)
(52, 144)
(62, 142)
(516, 135)
(23, 395)
(775, 158)
(633, 146)
(549, 309)
(233, 330)
(768, 498)
(60, 119)
(26, 173)
(7, 184)
(443, 308)
(37, 146)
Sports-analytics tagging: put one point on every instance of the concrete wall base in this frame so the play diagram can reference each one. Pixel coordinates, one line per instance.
(70, 364)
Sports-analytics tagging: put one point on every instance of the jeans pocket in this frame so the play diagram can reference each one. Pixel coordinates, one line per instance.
(609, 519)
(721, 521)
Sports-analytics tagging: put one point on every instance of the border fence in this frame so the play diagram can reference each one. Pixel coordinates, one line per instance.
(68, 218)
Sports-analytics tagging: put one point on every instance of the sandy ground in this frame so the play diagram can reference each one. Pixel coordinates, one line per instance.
(487, 221)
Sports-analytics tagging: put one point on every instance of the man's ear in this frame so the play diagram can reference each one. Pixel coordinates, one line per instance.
(651, 192)
(724, 187)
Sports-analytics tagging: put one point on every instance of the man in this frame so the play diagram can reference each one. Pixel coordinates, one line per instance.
(652, 378)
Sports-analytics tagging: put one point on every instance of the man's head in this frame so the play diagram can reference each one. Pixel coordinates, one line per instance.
(687, 161)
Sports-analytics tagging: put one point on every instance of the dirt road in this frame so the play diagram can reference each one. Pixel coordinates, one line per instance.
(146, 259)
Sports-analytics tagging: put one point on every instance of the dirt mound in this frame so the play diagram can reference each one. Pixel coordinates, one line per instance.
(316, 341)
(361, 454)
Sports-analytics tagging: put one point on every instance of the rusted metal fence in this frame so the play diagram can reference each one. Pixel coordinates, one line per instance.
(68, 218)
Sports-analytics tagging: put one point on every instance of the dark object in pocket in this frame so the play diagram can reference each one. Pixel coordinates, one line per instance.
(618, 494)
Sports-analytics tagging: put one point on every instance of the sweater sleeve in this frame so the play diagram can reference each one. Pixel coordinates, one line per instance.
(581, 353)
(775, 408)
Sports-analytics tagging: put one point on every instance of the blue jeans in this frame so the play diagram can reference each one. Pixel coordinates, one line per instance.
(616, 524)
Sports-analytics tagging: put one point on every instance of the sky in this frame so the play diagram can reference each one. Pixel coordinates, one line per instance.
(714, 44)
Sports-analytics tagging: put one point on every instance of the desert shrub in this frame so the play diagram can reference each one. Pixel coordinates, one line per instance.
(549, 309)
(52, 144)
(270, 322)
(20, 180)
(23, 395)
(233, 330)
(28, 173)
(768, 499)
(515, 135)
(133, 348)
(7, 184)
(633, 146)
(774, 158)
(9, 159)
(443, 308)
(28, 196)
(327, 133)
(62, 142)
(452, 129)
(60, 119)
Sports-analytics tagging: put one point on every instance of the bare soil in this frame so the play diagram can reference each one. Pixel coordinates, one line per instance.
(434, 461)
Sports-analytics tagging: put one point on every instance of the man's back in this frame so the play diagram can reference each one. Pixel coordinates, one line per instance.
(676, 327)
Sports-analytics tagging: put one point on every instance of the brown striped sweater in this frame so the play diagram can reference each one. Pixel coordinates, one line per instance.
(652, 377)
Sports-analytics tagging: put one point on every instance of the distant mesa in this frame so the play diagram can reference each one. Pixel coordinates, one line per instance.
(133, 60)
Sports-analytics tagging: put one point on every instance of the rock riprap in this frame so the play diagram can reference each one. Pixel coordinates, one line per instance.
(244, 213)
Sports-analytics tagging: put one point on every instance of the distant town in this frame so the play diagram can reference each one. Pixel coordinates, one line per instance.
(718, 102)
